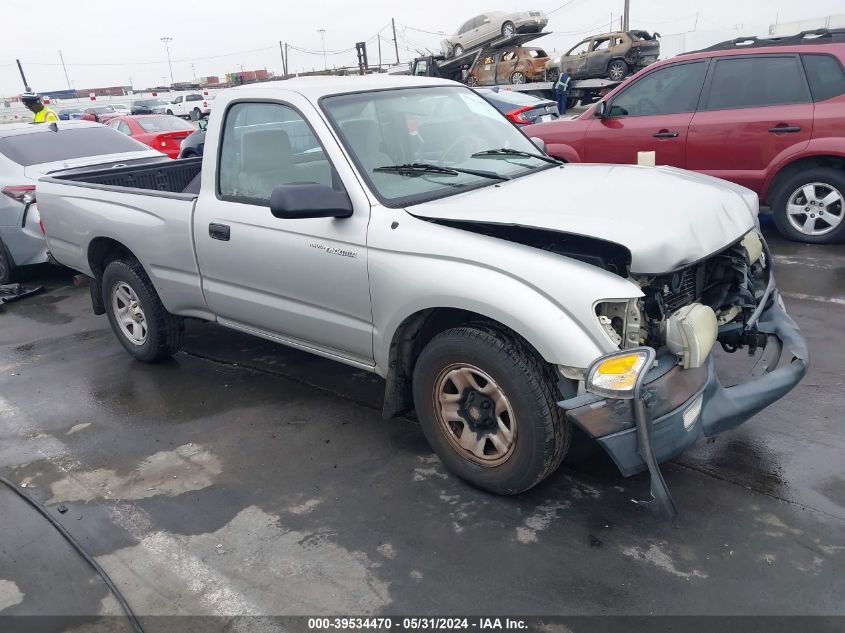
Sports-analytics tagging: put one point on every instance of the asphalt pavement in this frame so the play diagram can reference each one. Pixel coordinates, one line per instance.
(244, 478)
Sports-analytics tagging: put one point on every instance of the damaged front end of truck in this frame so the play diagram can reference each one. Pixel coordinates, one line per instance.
(660, 392)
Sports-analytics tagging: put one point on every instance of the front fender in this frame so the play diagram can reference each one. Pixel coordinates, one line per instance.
(564, 152)
(546, 298)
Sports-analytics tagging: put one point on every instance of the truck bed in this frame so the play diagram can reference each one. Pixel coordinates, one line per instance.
(147, 209)
(178, 176)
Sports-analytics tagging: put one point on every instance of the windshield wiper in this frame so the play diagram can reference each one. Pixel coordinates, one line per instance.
(415, 169)
(507, 152)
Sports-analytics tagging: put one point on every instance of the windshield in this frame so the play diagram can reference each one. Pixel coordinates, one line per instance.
(47, 147)
(441, 126)
(163, 124)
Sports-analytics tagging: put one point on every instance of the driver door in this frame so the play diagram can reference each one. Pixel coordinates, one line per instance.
(576, 59)
(301, 281)
(651, 114)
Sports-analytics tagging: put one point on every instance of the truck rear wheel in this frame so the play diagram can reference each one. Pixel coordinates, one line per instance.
(810, 206)
(487, 407)
(8, 271)
(139, 320)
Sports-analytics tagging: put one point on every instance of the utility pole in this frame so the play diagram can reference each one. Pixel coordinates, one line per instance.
(322, 33)
(283, 52)
(65, 69)
(194, 71)
(695, 26)
(379, 51)
(23, 77)
(626, 15)
(395, 45)
(167, 41)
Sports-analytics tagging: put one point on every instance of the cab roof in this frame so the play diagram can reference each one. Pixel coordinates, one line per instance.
(313, 88)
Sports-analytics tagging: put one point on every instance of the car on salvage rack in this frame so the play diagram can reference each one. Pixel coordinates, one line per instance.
(404, 226)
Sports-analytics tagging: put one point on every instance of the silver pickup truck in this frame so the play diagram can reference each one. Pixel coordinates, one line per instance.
(403, 226)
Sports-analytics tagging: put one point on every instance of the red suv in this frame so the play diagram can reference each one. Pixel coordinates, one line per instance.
(768, 114)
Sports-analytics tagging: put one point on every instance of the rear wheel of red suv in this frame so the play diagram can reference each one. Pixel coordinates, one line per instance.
(810, 206)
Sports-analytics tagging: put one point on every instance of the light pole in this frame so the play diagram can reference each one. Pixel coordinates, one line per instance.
(322, 33)
(167, 41)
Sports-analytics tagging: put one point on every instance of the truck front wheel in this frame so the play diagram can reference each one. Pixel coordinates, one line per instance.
(487, 407)
(139, 320)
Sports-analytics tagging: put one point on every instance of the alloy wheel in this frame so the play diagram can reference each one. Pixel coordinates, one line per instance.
(129, 313)
(815, 208)
(474, 414)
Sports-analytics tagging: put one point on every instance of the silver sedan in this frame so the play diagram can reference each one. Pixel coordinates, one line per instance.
(489, 26)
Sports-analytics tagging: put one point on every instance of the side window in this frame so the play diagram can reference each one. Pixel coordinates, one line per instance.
(825, 75)
(745, 82)
(580, 49)
(601, 45)
(193, 98)
(669, 90)
(421, 68)
(265, 145)
(466, 26)
(177, 100)
(124, 128)
(509, 56)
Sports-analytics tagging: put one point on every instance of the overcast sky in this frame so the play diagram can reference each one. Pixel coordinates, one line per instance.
(107, 43)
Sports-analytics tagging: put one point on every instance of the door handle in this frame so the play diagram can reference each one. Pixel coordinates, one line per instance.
(665, 134)
(220, 232)
(778, 129)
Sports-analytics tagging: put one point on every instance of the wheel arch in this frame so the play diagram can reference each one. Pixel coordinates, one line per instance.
(822, 159)
(412, 335)
(101, 252)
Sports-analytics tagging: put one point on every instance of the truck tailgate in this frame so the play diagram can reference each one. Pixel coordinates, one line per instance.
(155, 226)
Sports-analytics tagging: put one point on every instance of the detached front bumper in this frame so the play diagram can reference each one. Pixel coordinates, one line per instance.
(684, 404)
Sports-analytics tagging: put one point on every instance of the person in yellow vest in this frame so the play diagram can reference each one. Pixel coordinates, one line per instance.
(34, 104)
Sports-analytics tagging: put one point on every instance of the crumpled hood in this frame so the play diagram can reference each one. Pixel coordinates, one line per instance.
(665, 217)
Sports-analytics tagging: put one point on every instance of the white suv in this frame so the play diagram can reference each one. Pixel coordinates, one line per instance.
(192, 106)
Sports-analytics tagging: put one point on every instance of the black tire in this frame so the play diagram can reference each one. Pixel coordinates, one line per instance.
(829, 178)
(508, 29)
(170, 112)
(571, 102)
(553, 74)
(617, 70)
(457, 51)
(188, 154)
(196, 114)
(165, 332)
(8, 270)
(542, 434)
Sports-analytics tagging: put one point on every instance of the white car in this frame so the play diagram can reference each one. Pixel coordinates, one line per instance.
(121, 108)
(191, 106)
(489, 26)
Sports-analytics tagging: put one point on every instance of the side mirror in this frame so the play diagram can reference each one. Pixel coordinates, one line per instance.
(539, 143)
(309, 200)
(601, 110)
(202, 123)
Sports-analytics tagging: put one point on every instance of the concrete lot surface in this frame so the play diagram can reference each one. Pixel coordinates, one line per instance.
(246, 478)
